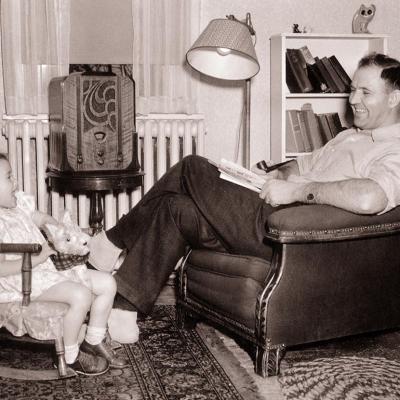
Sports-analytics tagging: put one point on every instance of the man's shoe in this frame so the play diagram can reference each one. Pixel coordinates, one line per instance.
(106, 352)
(89, 364)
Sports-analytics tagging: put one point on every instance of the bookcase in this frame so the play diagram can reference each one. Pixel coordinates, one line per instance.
(348, 49)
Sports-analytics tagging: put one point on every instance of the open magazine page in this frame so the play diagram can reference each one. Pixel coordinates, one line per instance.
(239, 175)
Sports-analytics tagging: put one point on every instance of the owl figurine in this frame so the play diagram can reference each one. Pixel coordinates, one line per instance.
(362, 18)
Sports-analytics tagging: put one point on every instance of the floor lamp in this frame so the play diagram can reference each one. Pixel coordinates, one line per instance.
(225, 50)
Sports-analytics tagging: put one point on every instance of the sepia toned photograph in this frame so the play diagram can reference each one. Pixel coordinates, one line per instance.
(199, 200)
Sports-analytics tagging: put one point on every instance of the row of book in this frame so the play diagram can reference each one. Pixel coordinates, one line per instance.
(307, 131)
(308, 74)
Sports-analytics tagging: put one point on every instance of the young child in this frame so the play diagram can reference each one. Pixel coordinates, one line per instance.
(81, 289)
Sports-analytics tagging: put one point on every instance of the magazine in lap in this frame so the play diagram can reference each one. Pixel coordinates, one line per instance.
(239, 175)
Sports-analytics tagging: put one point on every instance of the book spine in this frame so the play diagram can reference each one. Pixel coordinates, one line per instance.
(291, 81)
(307, 56)
(324, 73)
(296, 66)
(338, 123)
(303, 131)
(341, 72)
(335, 77)
(295, 126)
(323, 123)
(318, 82)
(291, 145)
(332, 125)
(312, 126)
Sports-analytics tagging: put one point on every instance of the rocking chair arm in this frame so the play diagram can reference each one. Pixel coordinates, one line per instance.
(27, 249)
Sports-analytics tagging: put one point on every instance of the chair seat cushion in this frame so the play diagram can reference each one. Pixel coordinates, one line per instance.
(40, 320)
(227, 284)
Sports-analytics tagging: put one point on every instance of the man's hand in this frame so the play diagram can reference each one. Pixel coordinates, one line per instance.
(277, 191)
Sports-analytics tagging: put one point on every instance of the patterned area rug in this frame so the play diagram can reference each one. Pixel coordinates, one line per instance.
(343, 378)
(363, 367)
(165, 364)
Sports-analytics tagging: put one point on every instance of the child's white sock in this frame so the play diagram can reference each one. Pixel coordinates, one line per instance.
(95, 335)
(71, 353)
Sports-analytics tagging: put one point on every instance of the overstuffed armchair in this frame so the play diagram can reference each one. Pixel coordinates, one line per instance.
(333, 274)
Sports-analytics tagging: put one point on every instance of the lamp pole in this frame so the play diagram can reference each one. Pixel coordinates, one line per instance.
(246, 124)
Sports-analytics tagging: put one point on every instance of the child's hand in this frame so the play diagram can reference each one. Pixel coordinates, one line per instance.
(46, 252)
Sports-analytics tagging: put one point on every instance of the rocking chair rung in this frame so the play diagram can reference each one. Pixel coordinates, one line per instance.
(5, 335)
(34, 374)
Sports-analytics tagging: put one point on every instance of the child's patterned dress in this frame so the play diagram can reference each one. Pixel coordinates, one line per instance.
(16, 226)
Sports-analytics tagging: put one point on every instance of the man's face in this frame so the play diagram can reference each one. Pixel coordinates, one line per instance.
(369, 98)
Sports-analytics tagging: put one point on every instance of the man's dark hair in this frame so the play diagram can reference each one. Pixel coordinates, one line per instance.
(390, 67)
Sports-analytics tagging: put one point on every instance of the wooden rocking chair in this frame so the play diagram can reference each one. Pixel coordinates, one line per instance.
(32, 322)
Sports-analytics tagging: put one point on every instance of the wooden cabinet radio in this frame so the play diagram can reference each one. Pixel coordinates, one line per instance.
(92, 123)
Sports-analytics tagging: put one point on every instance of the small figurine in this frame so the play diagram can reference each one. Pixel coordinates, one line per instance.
(296, 28)
(305, 29)
(362, 18)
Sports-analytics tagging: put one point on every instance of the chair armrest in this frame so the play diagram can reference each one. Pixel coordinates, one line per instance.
(20, 247)
(316, 223)
(26, 270)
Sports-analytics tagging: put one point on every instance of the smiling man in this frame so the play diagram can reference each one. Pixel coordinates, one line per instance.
(358, 170)
(191, 206)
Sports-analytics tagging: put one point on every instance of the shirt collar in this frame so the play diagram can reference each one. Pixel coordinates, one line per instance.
(386, 132)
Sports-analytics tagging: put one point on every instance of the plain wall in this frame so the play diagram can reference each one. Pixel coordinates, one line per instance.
(221, 102)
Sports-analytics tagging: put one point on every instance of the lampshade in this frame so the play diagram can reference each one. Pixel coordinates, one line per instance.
(224, 50)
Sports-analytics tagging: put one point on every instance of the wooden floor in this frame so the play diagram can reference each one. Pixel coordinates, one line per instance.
(268, 388)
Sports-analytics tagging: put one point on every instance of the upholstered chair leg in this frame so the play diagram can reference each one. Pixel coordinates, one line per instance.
(267, 361)
(184, 319)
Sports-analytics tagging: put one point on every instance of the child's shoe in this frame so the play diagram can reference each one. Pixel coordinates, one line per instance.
(89, 364)
(105, 352)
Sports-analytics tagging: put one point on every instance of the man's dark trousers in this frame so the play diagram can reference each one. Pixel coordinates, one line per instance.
(190, 206)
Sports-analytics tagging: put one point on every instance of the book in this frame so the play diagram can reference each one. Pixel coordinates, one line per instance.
(291, 81)
(312, 126)
(324, 127)
(296, 76)
(338, 122)
(306, 55)
(341, 87)
(291, 145)
(341, 72)
(303, 131)
(239, 175)
(334, 123)
(294, 141)
(326, 76)
(317, 81)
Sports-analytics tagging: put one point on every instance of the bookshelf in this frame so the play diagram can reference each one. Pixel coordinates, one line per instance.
(347, 48)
